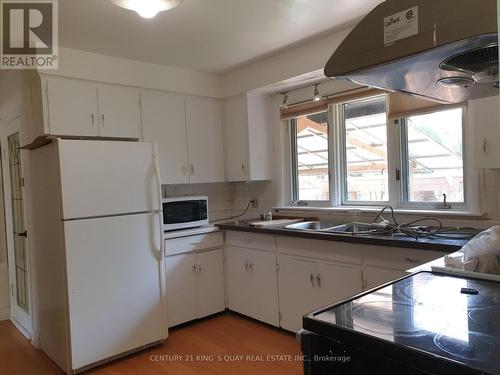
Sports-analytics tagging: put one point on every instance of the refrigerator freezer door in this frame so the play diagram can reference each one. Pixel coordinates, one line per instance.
(102, 178)
(115, 286)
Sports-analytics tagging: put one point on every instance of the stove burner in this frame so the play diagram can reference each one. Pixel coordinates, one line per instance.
(385, 318)
(485, 317)
(478, 347)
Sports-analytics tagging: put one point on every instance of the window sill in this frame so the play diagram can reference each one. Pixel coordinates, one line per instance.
(371, 210)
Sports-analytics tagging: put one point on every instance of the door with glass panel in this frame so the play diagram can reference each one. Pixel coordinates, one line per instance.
(14, 199)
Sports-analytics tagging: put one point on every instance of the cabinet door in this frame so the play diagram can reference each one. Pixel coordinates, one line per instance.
(374, 276)
(205, 140)
(119, 112)
(210, 282)
(164, 122)
(297, 289)
(252, 284)
(484, 118)
(236, 132)
(72, 107)
(181, 289)
(336, 283)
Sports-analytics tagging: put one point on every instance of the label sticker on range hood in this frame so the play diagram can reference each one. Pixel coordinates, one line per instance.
(401, 25)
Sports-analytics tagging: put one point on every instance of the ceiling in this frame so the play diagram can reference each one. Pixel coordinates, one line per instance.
(213, 36)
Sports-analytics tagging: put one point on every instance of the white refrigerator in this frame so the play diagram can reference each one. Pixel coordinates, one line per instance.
(99, 269)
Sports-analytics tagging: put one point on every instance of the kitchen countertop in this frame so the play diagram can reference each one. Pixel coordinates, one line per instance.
(428, 243)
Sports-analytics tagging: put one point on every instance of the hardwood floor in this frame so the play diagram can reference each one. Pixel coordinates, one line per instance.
(224, 344)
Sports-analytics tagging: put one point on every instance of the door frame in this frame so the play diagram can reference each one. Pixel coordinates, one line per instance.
(22, 320)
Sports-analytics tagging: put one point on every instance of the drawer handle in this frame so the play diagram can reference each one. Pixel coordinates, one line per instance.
(199, 268)
(318, 280)
(195, 243)
(312, 279)
(251, 267)
(246, 266)
(412, 260)
(194, 268)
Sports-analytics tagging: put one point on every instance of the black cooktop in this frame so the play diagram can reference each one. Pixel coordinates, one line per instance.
(450, 318)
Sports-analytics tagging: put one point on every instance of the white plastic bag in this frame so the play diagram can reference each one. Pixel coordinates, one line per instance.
(481, 254)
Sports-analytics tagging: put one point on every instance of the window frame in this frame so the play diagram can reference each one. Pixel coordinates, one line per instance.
(293, 165)
(342, 152)
(397, 188)
(404, 170)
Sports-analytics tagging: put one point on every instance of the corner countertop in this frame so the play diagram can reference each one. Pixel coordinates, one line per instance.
(429, 243)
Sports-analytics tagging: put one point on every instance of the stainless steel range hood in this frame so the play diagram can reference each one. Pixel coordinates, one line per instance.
(440, 50)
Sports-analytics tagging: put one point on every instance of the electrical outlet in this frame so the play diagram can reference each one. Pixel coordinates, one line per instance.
(255, 203)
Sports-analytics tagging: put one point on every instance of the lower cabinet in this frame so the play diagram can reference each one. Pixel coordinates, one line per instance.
(306, 285)
(195, 285)
(375, 276)
(252, 283)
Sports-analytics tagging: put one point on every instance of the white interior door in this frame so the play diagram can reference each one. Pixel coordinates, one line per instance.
(16, 232)
(107, 178)
(114, 285)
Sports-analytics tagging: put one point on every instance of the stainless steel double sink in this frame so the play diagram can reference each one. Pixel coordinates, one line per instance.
(349, 228)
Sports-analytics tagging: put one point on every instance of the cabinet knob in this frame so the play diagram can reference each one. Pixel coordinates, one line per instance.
(246, 266)
(194, 268)
(485, 146)
(191, 169)
(92, 118)
(243, 167)
(318, 280)
(102, 120)
(312, 280)
(199, 268)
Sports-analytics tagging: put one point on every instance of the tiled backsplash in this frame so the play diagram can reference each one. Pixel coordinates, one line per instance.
(228, 199)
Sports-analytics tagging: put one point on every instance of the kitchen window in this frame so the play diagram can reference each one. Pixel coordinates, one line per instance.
(364, 151)
(353, 154)
(310, 157)
(433, 158)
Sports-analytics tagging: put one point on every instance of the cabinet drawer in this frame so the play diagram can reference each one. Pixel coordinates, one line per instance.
(318, 249)
(251, 240)
(193, 243)
(397, 258)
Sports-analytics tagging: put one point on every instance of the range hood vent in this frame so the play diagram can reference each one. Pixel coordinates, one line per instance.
(445, 51)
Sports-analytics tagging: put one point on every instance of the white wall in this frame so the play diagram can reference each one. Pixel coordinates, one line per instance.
(92, 66)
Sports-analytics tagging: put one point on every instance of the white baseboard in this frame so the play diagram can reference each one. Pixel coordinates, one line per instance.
(21, 328)
(5, 313)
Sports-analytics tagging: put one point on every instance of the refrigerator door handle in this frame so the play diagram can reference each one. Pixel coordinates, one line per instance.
(156, 165)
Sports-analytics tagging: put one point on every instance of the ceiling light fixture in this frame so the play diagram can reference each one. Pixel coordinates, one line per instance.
(147, 8)
(284, 104)
(317, 97)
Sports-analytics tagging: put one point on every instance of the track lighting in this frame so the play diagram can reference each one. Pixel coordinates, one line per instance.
(317, 97)
(284, 103)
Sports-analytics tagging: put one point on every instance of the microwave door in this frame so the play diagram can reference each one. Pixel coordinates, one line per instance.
(185, 214)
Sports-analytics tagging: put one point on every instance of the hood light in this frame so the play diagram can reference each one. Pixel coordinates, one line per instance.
(147, 8)
(456, 82)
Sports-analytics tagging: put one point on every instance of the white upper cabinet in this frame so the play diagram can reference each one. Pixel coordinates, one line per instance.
(205, 140)
(77, 108)
(189, 134)
(248, 138)
(119, 112)
(72, 107)
(164, 122)
(484, 118)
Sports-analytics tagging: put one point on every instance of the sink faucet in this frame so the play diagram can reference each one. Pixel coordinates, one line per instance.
(444, 205)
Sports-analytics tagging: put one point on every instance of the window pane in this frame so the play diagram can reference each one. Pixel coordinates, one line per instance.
(312, 157)
(366, 150)
(435, 157)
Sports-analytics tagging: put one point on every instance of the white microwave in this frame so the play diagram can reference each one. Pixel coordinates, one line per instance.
(184, 212)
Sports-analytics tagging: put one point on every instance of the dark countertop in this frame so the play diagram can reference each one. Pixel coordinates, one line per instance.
(428, 243)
